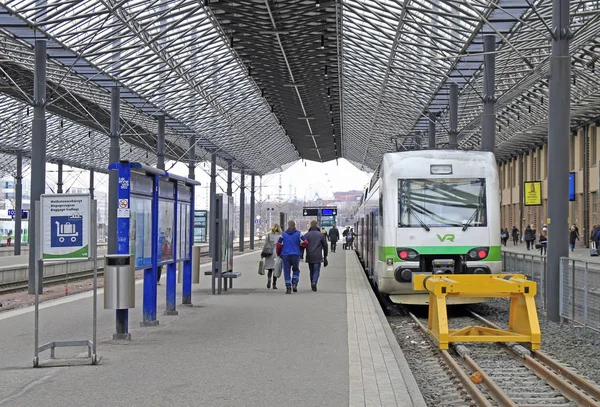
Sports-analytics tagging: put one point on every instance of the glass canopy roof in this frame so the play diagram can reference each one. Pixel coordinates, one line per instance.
(263, 83)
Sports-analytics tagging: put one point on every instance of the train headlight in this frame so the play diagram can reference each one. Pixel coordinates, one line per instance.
(406, 254)
(389, 261)
(478, 253)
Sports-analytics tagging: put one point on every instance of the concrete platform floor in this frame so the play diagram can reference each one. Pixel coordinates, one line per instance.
(248, 347)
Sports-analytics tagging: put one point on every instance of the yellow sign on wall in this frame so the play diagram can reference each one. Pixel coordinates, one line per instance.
(533, 193)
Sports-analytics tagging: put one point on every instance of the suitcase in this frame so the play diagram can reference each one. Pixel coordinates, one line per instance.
(593, 250)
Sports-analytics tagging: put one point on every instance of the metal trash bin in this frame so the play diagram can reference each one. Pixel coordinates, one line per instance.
(119, 281)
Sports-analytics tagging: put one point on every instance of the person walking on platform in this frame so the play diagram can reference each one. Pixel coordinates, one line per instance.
(573, 235)
(515, 235)
(334, 236)
(543, 241)
(273, 237)
(316, 253)
(504, 236)
(345, 236)
(289, 247)
(529, 236)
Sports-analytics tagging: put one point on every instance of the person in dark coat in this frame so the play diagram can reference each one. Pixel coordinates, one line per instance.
(573, 235)
(515, 235)
(344, 237)
(504, 236)
(529, 236)
(316, 253)
(543, 241)
(334, 236)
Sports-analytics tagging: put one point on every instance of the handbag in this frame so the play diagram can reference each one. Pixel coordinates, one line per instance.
(267, 250)
(261, 267)
(277, 267)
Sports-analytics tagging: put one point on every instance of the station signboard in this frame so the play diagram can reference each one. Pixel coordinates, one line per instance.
(310, 211)
(65, 226)
(571, 186)
(532, 193)
(329, 211)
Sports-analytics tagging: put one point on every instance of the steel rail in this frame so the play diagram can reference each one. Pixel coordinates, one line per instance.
(571, 385)
(477, 395)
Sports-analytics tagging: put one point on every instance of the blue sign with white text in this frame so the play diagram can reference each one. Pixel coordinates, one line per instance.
(66, 231)
(571, 186)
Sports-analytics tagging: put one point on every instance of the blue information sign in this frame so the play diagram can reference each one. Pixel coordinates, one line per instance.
(571, 186)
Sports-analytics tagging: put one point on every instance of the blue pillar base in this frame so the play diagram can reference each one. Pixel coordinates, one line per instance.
(187, 304)
(121, 337)
(145, 324)
(167, 312)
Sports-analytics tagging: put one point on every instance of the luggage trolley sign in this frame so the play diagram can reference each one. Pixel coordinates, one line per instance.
(65, 226)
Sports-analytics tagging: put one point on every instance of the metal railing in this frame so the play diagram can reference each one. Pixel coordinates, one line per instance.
(533, 267)
(580, 292)
(579, 301)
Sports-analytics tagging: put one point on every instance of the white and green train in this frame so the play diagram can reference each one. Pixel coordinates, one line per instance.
(429, 211)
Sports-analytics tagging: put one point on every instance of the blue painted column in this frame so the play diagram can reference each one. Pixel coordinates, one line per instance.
(150, 288)
(186, 289)
(115, 191)
(172, 267)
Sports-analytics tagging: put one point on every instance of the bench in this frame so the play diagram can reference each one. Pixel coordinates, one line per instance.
(228, 275)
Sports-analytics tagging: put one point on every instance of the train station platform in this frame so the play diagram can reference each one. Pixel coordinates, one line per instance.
(250, 346)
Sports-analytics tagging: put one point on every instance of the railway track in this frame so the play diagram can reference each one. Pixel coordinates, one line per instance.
(50, 280)
(499, 374)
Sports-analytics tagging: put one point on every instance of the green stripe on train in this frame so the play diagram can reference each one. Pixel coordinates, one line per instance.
(387, 251)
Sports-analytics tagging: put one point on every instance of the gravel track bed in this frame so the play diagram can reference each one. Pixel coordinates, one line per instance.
(437, 382)
(574, 347)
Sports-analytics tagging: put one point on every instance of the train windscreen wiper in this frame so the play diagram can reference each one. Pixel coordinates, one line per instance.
(471, 219)
(423, 224)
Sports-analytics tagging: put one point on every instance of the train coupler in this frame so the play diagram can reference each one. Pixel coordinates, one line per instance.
(523, 325)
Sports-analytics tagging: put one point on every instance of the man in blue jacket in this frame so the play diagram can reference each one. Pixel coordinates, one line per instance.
(316, 253)
(289, 248)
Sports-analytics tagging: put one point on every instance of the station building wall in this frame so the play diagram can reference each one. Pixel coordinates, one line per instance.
(532, 165)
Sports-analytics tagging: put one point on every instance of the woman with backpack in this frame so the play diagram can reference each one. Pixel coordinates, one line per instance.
(271, 241)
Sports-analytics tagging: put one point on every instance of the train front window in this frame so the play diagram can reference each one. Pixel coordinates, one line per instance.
(441, 202)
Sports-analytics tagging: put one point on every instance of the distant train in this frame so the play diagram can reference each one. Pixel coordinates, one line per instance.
(429, 211)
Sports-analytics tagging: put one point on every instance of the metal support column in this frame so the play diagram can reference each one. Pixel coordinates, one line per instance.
(252, 224)
(192, 158)
(38, 161)
(186, 289)
(160, 144)
(558, 147)
(213, 232)
(242, 210)
(18, 204)
(114, 156)
(432, 119)
(59, 183)
(488, 118)
(453, 131)
(92, 187)
(585, 225)
(229, 179)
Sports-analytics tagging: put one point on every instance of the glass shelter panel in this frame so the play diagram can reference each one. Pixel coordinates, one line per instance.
(166, 216)
(200, 226)
(140, 231)
(183, 228)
